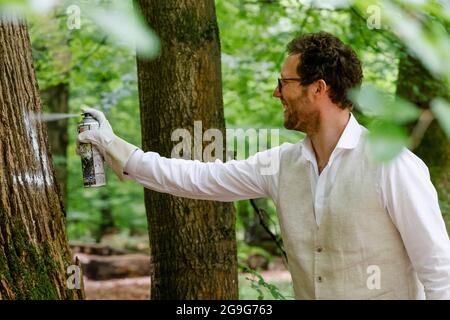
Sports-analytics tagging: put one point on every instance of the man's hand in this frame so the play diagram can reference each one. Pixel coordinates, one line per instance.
(100, 138)
(114, 150)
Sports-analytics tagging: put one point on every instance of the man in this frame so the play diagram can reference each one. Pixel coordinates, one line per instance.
(352, 229)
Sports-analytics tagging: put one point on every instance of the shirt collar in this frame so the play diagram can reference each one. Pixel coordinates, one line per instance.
(349, 139)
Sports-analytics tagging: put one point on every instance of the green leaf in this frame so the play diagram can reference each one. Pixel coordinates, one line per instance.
(127, 26)
(374, 102)
(385, 140)
(441, 109)
(13, 2)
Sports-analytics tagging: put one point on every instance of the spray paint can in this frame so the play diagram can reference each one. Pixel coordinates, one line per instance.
(91, 159)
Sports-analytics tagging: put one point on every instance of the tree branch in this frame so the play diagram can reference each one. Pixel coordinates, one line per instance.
(261, 213)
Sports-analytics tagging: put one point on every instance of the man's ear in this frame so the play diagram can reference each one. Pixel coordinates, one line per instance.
(320, 87)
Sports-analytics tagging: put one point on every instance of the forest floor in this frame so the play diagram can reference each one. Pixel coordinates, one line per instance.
(139, 288)
(112, 273)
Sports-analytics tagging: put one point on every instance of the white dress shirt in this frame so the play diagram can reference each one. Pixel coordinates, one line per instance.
(405, 190)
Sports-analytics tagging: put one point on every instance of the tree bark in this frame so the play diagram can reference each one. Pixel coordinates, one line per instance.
(34, 251)
(193, 243)
(417, 85)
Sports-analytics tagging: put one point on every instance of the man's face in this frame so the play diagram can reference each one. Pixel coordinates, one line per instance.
(300, 113)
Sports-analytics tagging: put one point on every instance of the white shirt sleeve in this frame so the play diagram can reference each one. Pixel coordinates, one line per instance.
(412, 203)
(233, 180)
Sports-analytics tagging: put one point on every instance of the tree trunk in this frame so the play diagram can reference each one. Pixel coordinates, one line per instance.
(34, 252)
(107, 225)
(193, 243)
(56, 100)
(417, 85)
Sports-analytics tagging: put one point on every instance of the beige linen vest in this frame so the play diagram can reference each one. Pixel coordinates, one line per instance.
(356, 242)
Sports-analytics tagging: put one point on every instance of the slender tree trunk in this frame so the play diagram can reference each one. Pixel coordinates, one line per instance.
(417, 85)
(193, 243)
(34, 252)
(56, 100)
(107, 225)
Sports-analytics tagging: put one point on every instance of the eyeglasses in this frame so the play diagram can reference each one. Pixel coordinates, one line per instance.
(280, 82)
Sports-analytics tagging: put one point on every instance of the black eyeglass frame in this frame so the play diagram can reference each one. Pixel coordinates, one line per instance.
(280, 83)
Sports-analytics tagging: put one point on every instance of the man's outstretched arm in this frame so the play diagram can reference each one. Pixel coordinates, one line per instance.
(230, 181)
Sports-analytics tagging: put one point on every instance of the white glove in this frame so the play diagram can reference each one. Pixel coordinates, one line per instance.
(100, 138)
(114, 150)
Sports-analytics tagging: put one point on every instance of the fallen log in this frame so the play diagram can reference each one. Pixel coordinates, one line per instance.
(95, 249)
(97, 267)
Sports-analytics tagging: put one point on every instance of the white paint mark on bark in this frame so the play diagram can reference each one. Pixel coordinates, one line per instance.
(40, 155)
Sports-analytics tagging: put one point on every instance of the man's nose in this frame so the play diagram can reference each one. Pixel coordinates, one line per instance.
(276, 93)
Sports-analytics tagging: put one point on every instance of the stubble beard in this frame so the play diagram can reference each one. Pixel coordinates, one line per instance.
(301, 120)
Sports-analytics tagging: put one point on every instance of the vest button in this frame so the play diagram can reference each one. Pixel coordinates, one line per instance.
(319, 249)
(319, 279)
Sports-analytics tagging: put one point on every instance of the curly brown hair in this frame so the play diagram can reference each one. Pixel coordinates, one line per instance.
(324, 56)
